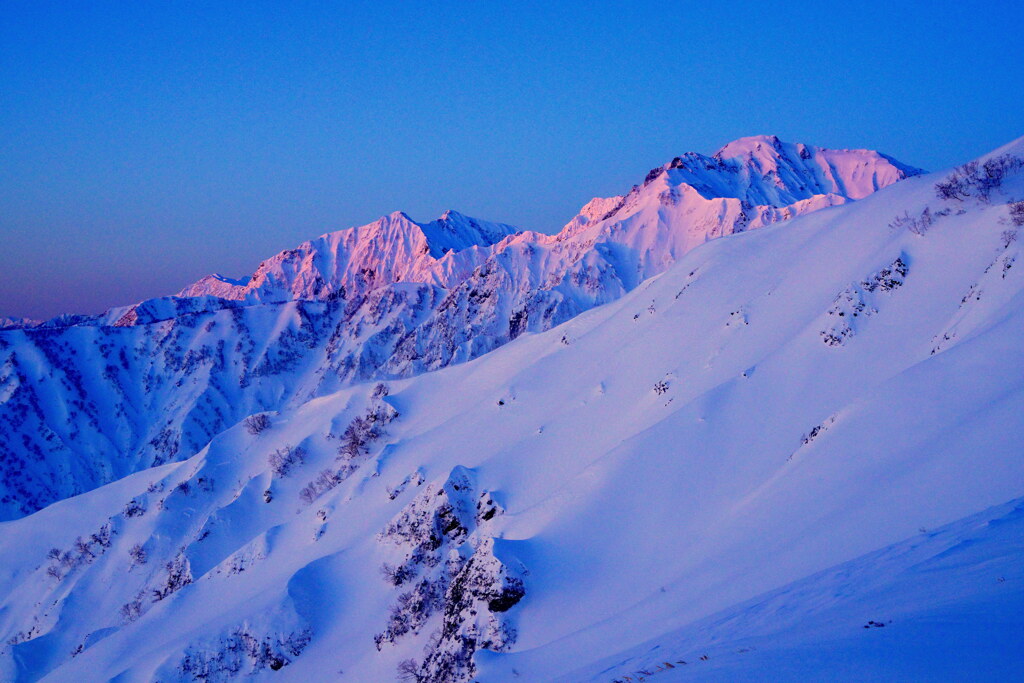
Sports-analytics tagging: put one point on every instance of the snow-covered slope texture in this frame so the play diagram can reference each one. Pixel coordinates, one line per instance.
(83, 403)
(789, 435)
(944, 605)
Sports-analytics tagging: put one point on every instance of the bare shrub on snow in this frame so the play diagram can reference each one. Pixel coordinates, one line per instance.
(977, 180)
(179, 575)
(284, 460)
(138, 554)
(257, 424)
(325, 481)
(1017, 213)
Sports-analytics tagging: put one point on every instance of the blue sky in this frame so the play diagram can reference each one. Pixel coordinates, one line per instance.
(143, 145)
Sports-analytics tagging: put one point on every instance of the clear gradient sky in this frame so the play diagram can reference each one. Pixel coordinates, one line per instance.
(145, 144)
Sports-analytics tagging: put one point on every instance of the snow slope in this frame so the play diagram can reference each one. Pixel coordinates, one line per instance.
(87, 400)
(943, 605)
(740, 453)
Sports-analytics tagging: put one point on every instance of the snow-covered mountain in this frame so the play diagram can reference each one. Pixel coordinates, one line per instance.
(87, 400)
(792, 451)
(11, 323)
(756, 180)
(350, 263)
(532, 282)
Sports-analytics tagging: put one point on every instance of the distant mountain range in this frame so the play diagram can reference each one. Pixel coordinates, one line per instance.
(87, 404)
(758, 417)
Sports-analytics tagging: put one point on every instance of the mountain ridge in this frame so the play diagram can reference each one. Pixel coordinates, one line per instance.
(807, 171)
(791, 426)
(394, 298)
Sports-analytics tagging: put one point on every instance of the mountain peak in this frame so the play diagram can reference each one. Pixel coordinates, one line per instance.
(599, 207)
(748, 145)
(398, 216)
(275, 451)
(394, 248)
(797, 171)
(767, 179)
(451, 214)
(455, 231)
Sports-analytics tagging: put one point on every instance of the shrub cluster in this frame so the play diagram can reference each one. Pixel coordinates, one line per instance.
(325, 481)
(84, 551)
(284, 460)
(257, 424)
(978, 180)
(1017, 213)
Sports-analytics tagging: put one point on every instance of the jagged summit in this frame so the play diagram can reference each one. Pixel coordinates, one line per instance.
(479, 284)
(454, 231)
(748, 183)
(760, 171)
(764, 170)
(596, 502)
(605, 250)
(340, 264)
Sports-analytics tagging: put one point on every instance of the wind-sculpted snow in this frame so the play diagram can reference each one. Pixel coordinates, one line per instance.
(86, 405)
(686, 474)
(894, 614)
(82, 403)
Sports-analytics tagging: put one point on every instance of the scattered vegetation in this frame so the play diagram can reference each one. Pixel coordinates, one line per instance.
(415, 479)
(130, 611)
(284, 460)
(240, 652)
(84, 551)
(138, 555)
(1017, 213)
(364, 430)
(977, 180)
(179, 575)
(325, 481)
(919, 224)
(356, 440)
(257, 424)
(453, 573)
(134, 508)
(852, 302)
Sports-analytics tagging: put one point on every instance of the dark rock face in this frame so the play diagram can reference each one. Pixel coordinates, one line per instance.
(450, 557)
